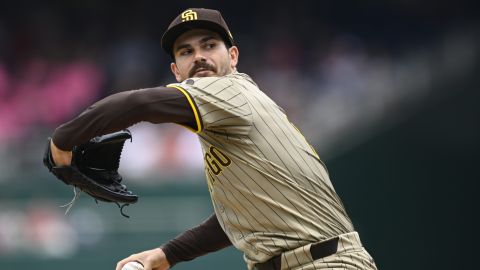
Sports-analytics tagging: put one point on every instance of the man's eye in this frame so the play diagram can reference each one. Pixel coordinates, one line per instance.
(185, 52)
(210, 45)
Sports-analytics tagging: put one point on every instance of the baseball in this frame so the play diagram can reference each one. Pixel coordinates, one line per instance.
(133, 266)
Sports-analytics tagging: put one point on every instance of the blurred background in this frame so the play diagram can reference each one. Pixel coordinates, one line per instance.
(386, 91)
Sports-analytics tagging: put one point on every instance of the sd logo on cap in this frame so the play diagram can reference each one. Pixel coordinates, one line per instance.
(196, 18)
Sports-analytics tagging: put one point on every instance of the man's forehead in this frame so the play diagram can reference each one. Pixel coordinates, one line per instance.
(195, 35)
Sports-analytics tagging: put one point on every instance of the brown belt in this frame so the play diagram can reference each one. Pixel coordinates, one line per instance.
(318, 251)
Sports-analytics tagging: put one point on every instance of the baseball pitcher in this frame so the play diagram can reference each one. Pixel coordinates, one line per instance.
(272, 195)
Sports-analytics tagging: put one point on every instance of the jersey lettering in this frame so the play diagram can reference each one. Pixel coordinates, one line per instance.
(216, 160)
(220, 156)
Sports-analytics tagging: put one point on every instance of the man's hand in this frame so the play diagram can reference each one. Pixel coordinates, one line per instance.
(153, 259)
(60, 157)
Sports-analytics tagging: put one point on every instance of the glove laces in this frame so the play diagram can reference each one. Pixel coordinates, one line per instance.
(72, 202)
(77, 192)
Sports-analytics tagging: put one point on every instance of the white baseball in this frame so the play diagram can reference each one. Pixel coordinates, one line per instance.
(133, 266)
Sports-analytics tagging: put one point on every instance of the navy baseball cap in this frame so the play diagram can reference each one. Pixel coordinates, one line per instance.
(196, 18)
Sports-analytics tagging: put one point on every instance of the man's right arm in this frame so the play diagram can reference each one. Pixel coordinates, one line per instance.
(200, 240)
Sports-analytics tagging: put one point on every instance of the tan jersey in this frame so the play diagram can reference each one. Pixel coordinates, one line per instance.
(270, 191)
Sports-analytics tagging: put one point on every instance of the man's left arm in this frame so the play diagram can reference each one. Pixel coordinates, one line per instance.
(117, 112)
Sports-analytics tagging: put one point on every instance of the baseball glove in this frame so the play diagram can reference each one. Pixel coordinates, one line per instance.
(94, 169)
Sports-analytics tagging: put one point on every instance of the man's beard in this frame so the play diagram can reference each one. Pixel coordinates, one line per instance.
(201, 65)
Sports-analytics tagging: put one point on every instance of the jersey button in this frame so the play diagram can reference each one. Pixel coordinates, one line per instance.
(222, 209)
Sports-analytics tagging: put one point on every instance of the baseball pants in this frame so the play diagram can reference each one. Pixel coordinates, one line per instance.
(349, 254)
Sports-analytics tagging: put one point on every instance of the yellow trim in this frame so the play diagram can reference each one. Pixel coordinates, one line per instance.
(192, 105)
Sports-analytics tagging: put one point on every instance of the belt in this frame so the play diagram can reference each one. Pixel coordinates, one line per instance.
(317, 250)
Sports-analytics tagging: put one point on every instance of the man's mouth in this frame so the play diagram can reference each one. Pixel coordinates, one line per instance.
(202, 70)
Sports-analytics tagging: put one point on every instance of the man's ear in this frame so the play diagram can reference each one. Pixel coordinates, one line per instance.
(233, 52)
(175, 71)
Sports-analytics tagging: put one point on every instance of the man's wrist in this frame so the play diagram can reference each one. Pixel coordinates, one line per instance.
(170, 258)
(60, 157)
(161, 259)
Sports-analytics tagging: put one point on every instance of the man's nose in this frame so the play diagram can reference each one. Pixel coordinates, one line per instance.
(199, 57)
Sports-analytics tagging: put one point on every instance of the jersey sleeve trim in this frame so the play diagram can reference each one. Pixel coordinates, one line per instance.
(193, 105)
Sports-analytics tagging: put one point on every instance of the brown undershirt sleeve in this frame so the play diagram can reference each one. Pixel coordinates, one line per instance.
(121, 110)
(205, 238)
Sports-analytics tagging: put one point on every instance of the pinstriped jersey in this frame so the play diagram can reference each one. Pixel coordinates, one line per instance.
(270, 191)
